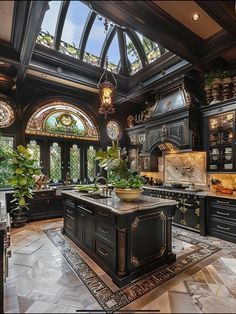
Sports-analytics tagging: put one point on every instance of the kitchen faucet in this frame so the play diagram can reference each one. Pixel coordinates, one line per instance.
(103, 178)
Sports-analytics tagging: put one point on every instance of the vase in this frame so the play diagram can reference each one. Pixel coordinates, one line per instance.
(234, 85)
(208, 89)
(128, 195)
(216, 90)
(226, 88)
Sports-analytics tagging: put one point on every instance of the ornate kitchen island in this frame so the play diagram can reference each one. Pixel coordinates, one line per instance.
(127, 240)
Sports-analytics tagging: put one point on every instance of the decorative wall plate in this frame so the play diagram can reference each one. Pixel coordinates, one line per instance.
(7, 115)
(114, 130)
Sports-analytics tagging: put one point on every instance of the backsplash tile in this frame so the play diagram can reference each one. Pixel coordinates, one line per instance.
(185, 168)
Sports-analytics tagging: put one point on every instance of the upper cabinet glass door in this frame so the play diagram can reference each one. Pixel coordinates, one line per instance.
(221, 142)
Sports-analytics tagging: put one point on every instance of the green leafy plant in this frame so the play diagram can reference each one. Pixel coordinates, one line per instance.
(20, 173)
(117, 168)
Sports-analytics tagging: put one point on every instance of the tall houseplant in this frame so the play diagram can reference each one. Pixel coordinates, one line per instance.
(127, 184)
(20, 176)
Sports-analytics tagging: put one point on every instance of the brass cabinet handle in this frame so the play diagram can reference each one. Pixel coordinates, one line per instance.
(103, 252)
(224, 214)
(222, 202)
(186, 204)
(223, 228)
(82, 215)
(104, 230)
(103, 214)
(69, 211)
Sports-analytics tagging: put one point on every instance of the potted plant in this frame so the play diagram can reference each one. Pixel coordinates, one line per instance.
(20, 175)
(127, 184)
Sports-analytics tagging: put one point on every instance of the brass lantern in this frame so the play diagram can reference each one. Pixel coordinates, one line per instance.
(107, 95)
(105, 87)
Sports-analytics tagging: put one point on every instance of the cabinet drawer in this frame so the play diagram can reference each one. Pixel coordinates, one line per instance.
(225, 213)
(70, 225)
(43, 194)
(105, 214)
(104, 252)
(223, 226)
(222, 202)
(70, 212)
(104, 230)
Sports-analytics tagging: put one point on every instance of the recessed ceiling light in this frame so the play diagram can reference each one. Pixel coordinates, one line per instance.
(44, 75)
(195, 17)
(1, 62)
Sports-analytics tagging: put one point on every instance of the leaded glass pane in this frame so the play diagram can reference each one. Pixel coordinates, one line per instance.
(75, 163)
(91, 163)
(134, 58)
(151, 48)
(34, 149)
(47, 32)
(55, 162)
(7, 142)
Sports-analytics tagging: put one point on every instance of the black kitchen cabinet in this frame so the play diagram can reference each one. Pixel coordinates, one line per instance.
(189, 212)
(44, 204)
(222, 218)
(113, 240)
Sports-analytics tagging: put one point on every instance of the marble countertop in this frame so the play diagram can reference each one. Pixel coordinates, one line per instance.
(200, 193)
(118, 206)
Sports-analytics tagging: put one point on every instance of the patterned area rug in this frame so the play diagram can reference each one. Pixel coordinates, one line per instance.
(112, 301)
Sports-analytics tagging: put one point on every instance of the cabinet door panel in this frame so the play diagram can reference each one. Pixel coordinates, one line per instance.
(150, 230)
(79, 227)
(88, 231)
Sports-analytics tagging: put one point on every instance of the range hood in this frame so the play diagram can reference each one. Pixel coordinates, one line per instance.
(173, 122)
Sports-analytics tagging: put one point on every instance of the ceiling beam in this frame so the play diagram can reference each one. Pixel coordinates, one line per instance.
(124, 70)
(155, 24)
(60, 24)
(86, 31)
(223, 12)
(138, 45)
(35, 15)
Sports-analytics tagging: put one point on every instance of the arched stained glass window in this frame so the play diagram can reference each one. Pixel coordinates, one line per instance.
(62, 119)
(74, 163)
(34, 149)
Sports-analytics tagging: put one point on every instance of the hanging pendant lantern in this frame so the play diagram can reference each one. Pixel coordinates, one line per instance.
(106, 88)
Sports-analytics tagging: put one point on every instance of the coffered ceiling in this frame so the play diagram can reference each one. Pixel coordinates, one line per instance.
(183, 12)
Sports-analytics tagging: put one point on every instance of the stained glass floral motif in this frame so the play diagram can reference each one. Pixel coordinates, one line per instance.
(91, 163)
(7, 116)
(75, 163)
(55, 162)
(114, 130)
(62, 120)
(7, 141)
(34, 149)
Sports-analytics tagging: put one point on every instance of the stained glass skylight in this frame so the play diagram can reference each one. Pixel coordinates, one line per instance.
(94, 45)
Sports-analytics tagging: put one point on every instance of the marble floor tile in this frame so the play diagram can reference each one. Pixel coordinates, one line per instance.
(41, 281)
